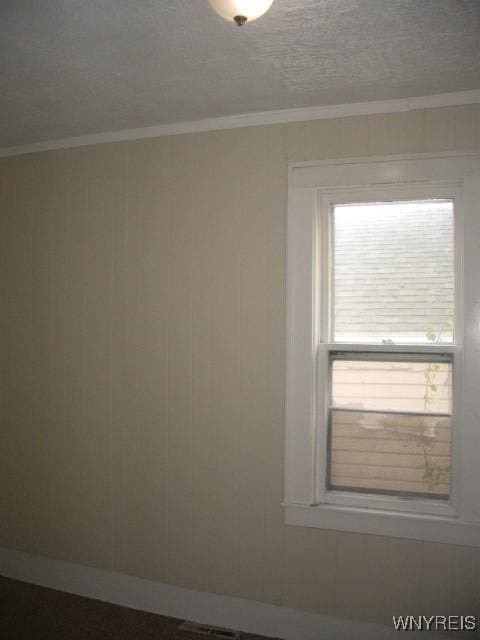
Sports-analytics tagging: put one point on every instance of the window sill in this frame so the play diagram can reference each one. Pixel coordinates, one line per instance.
(426, 528)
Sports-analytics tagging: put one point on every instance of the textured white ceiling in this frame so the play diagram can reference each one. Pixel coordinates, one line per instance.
(72, 67)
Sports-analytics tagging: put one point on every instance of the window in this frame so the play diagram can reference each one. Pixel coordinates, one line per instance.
(383, 433)
(391, 283)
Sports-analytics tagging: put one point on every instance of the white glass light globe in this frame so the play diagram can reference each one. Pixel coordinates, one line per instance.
(249, 9)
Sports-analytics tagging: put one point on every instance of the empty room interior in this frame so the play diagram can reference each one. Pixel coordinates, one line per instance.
(239, 319)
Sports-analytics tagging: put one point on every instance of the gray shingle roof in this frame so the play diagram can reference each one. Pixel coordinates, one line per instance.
(393, 272)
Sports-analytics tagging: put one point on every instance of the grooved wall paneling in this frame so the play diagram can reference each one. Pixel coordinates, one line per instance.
(143, 361)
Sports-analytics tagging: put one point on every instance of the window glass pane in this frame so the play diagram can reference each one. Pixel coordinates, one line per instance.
(393, 272)
(390, 453)
(390, 426)
(413, 387)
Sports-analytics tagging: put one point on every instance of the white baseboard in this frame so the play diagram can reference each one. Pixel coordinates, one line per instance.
(206, 608)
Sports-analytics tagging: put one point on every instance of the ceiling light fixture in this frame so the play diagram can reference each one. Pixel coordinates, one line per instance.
(241, 11)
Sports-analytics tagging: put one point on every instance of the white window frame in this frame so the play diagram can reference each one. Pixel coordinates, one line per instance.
(313, 188)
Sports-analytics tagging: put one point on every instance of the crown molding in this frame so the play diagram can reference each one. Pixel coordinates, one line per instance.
(281, 116)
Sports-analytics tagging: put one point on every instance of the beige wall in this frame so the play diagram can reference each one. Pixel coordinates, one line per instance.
(142, 350)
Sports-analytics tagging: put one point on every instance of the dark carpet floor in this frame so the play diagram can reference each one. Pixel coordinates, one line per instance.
(28, 612)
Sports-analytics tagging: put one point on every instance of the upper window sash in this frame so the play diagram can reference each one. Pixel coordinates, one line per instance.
(326, 200)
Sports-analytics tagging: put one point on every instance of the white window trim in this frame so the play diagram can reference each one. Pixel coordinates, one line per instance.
(306, 501)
